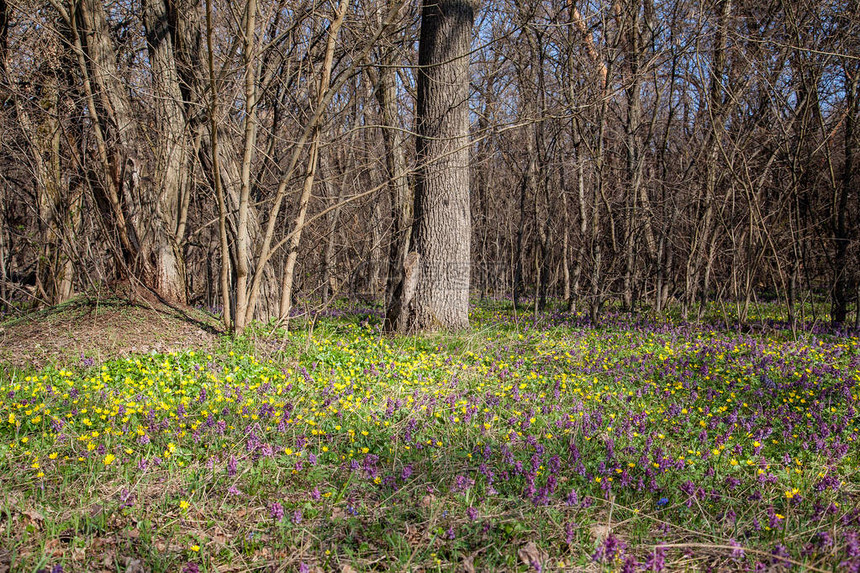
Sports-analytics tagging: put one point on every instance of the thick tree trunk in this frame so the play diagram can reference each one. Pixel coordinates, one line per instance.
(171, 146)
(141, 204)
(169, 172)
(442, 227)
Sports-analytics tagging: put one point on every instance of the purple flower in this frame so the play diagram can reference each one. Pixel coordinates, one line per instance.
(191, 567)
(779, 550)
(611, 547)
(462, 483)
(852, 544)
(657, 560)
(297, 516)
(472, 513)
(276, 510)
(569, 532)
(630, 565)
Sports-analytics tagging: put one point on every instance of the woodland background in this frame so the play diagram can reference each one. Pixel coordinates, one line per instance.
(638, 153)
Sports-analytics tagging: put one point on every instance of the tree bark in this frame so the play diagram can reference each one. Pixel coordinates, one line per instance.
(442, 227)
(141, 201)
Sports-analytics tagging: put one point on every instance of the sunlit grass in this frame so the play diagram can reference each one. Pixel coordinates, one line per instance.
(629, 445)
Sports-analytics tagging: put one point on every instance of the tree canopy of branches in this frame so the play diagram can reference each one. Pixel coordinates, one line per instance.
(265, 157)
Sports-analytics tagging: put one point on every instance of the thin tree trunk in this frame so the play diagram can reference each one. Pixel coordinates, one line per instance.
(841, 230)
(313, 154)
(243, 252)
(699, 248)
(224, 272)
(331, 237)
(400, 193)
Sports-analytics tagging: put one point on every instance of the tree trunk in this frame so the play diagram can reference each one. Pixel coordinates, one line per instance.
(313, 155)
(442, 227)
(333, 217)
(699, 247)
(140, 205)
(171, 166)
(395, 166)
(841, 226)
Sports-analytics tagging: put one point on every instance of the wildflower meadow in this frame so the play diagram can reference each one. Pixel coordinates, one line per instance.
(528, 443)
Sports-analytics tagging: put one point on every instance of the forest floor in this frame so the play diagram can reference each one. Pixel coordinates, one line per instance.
(92, 329)
(526, 443)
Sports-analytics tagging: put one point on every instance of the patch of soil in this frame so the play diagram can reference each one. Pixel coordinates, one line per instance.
(102, 329)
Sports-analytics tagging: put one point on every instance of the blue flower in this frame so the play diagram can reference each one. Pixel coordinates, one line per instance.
(663, 501)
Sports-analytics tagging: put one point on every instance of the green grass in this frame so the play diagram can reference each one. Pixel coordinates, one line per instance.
(342, 447)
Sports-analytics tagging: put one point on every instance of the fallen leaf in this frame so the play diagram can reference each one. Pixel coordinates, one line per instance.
(469, 564)
(338, 513)
(427, 500)
(34, 515)
(346, 568)
(531, 554)
(600, 532)
(5, 560)
(134, 566)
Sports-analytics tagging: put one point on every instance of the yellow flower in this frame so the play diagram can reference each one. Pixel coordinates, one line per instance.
(184, 505)
(195, 548)
(109, 459)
